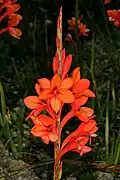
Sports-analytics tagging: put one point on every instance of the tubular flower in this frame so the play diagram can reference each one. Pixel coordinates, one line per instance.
(77, 145)
(82, 28)
(114, 15)
(83, 114)
(56, 91)
(13, 19)
(45, 128)
(85, 129)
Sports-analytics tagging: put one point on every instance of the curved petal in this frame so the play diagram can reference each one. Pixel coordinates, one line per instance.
(44, 83)
(82, 116)
(39, 131)
(86, 110)
(79, 102)
(45, 139)
(89, 93)
(76, 75)
(66, 118)
(81, 86)
(15, 32)
(63, 55)
(55, 81)
(65, 96)
(66, 65)
(68, 148)
(32, 102)
(86, 128)
(46, 120)
(53, 137)
(55, 104)
(15, 8)
(36, 120)
(37, 88)
(55, 65)
(46, 94)
(83, 150)
(14, 20)
(66, 83)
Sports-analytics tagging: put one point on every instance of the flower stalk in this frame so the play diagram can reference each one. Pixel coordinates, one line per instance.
(57, 168)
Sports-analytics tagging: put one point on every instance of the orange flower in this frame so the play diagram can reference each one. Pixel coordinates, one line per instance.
(83, 30)
(37, 106)
(80, 89)
(11, 8)
(114, 15)
(83, 113)
(13, 19)
(56, 91)
(72, 23)
(45, 127)
(77, 145)
(84, 130)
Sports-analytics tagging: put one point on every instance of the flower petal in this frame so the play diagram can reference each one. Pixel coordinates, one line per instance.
(45, 94)
(66, 83)
(79, 102)
(45, 139)
(55, 104)
(39, 131)
(37, 88)
(81, 86)
(63, 55)
(76, 75)
(55, 81)
(53, 137)
(44, 83)
(15, 32)
(46, 120)
(89, 93)
(32, 102)
(66, 65)
(55, 65)
(84, 113)
(65, 96)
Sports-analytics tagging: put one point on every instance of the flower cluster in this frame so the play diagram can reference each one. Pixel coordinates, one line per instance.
(48, 104)
(114, 16)
(82, 28)
(51, 97)
(10, 8)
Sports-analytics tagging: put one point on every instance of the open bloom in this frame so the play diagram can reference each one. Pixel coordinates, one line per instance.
(13, 19)
(85, 129)
(114, 15)
(45, 128)
(37, 106)
(77, 145)
(80, 89)
(56, 91)
(83, 114)
(82, 28)
(11, 7)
